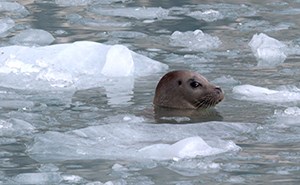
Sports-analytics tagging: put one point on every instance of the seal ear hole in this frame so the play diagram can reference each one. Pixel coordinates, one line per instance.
(195, 84)
(179, 82)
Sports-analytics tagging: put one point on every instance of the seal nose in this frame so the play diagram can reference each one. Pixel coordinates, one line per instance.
(218, 90)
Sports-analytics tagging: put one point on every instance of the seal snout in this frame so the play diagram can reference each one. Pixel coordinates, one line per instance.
(218, 90)
(220, 94)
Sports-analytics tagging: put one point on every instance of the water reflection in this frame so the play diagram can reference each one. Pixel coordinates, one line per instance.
(167, 115)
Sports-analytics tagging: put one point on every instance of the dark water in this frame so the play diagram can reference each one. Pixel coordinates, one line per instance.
(270, 149)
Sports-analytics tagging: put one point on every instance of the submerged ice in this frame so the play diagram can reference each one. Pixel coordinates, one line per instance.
(136, 142)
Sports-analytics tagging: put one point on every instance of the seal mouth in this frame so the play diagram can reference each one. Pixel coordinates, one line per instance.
(207, 102)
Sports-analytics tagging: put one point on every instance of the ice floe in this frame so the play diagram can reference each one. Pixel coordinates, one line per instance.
(38, 178)
(13, 7)
(133, 12)
(194, 40)
(186, 148)
(228, 80)
(73, 2)
(288, 116)
(268, 51)
(15, 128)
(5, 25)
(266, 95)
(96, 22)
(82, 64)
(138, 141)
(32, 37)
(207, 15)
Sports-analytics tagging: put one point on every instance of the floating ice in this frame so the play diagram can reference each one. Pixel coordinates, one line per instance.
(137, 141)
(228, 80)
(81, 64)
(38, 178)
(6, 24)
(289, 116)
(125, 65)
(196, 40)
(15, 128)
(261, 94)
(133, 12)
(84, 2)
(186, 148)
(208, 15)
(73, 2)
(268, 51)
(13, 7)
(94, 22)
(33, 37)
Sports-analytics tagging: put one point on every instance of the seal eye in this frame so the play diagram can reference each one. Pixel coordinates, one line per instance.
(195, 84)
(179, 82)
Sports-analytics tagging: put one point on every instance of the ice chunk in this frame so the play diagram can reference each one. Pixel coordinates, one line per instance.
(6, 24)
(228, 80)
(289, 116)
(81, 64)
(125, 65)
(268, 51)
(73, 2)
(133, 12)
(13, 7)
(84, 2)
(16, 104)
(136, 141)
(38, 178)
(186, 148)
(15, 128)
(94, 22)
(33, 37)
(261, 94)
(208, 15)
(196, 40)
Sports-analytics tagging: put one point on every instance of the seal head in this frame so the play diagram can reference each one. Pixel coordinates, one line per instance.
(186, 90)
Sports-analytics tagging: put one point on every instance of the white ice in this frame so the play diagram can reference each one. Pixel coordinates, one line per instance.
(133, 141)
(207, 15)
(288, 116)
(133, 12)
(194, 40)
(265, 95)
(125, 65)
(78, 65)
(190, 147)
(33, 37)
(268, 51)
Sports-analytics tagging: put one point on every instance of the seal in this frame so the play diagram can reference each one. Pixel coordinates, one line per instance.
(184, 89)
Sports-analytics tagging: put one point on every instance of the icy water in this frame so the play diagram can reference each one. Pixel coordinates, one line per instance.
(59, 125)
